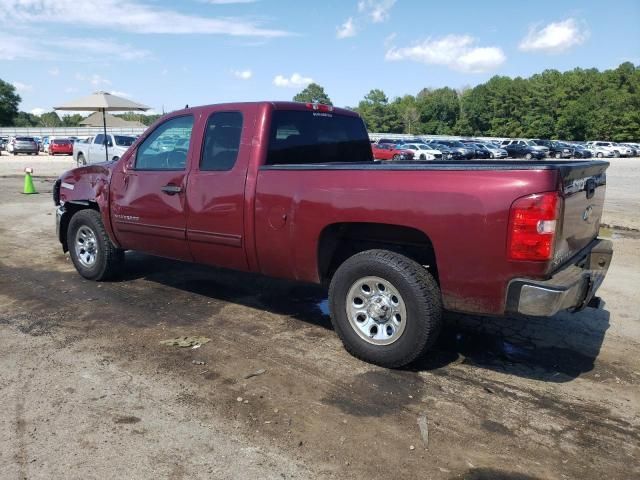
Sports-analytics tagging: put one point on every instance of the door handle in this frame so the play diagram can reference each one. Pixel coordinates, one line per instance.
(171, 189)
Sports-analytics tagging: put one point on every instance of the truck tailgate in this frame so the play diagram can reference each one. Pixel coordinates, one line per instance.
(584, 188)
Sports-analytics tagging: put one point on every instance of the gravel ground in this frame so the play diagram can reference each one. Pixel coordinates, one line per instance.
(89, 392)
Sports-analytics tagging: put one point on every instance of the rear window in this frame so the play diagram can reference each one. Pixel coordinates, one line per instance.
(124, 141)
(299, 137)
(61, 142)
(25, 139)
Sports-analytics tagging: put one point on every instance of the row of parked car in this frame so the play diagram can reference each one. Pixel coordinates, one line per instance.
(467, 149)
(34, 145)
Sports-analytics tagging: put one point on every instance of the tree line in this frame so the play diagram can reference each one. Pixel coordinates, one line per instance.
(580, 104)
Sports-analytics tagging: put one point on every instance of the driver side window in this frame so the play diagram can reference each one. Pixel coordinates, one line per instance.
(166, 148)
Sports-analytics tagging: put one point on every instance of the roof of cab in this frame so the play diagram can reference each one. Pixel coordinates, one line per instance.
(278, 105)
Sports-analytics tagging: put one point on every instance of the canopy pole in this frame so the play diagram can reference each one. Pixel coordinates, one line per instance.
(106, 142)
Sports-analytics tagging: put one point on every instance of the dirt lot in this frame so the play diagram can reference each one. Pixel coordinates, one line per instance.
(88, 391)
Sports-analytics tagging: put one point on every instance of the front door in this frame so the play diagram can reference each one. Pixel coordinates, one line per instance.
(148, 192)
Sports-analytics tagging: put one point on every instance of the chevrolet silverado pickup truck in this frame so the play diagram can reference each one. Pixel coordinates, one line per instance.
(292, 190)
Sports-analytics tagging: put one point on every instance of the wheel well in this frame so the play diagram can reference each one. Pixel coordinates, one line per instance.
(342, 240)
(70, 209)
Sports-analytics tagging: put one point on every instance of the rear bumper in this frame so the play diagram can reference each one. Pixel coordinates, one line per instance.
(571, 288)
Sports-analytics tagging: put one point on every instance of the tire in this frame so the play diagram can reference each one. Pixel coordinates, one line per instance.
(85, 233)
(418, 299)
(492, 156)
(558, 155)
(617, 154)
(528, 156)
(600, 155)
(423, 156)
(81, 161)
(396, 157)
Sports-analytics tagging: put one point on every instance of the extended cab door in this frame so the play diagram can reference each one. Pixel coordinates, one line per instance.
(148, 208)
(216, 189)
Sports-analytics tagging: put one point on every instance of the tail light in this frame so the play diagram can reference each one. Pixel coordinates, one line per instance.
(320, 107)
(532, 227)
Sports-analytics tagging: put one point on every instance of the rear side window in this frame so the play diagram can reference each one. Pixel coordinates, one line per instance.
(307, 137)
(167, 146)
(221, 141)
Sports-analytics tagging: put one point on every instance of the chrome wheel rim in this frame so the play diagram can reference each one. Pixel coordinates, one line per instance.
(376, 310)
(86, 246)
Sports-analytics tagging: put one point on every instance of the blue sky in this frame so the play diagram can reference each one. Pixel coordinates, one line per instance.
(167, 54)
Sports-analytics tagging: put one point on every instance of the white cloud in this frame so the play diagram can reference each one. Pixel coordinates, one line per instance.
(347, 29)
(97, 47)
(227, 2)
(97, 80)
(54, 72)
(120, 94)
(243, 74)
(457, 52)
(294, 81)
(377, 10)
(40, 46)
(38, 111)
(128, 15)
(557, 37)
(22, 87)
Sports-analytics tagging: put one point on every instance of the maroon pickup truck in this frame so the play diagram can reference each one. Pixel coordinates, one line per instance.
(291, 190)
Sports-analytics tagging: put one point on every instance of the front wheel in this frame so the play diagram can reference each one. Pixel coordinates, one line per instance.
(396, 157)
(81, 160)
(617, 154)
(90, 248)
(528, 156)
(385, 307)
(558, 155)
(600, 155)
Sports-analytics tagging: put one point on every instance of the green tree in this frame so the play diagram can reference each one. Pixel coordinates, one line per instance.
(313, 93)
(50, 119)
(9, 102)
(72, 120)
(24, 119)
(378, 114)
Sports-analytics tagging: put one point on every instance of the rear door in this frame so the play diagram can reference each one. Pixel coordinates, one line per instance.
(584, 188)
(216, 189)
(148, 211)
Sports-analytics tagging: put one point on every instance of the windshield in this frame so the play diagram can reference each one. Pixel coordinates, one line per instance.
(123, 141)
(303, 137)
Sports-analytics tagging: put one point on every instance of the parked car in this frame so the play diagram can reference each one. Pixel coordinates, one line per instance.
(458, 147)
(44, 145)
(448, 153)
(23, 145)
(526, 143)
(625, 150)
(494, 150)
(389, 151)
(555, 148)
(61, 146)
(389, 141)
(612, 147)
(598, 151)
(393, 241)
(523, 150)
(479, 150)
(421, 151)
(579, 151)
(3, 143)
(116, 145)
(81, 145)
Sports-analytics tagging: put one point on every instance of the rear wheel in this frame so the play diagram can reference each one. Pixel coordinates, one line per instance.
(385, 307)
(528, 156)
(396, 157)
(423, 156)
(617, 154)
(81, 160)
(600, 155)
(558, 155)
(90, 248)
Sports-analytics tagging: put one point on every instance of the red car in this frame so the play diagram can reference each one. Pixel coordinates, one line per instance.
(388, 151)
(62, 145)
(290, 190)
